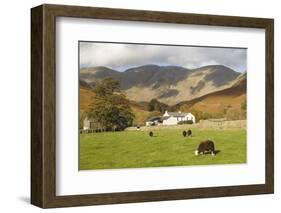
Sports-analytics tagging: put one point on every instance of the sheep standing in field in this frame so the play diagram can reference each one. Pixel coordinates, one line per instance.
(184, 133)
(189, 133)
(205, 147)
(151, 134)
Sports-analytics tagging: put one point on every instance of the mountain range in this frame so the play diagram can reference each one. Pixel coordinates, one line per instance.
(215, 102)
(171, 85)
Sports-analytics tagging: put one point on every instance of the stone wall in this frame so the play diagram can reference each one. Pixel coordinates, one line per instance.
(203, 124)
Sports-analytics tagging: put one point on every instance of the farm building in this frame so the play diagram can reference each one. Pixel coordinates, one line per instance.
(171, 118)
(89, 123)
(154, 121)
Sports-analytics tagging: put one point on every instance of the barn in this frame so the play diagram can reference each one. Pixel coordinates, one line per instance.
(154, 121)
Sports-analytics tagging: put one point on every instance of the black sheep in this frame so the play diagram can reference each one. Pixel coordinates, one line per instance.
(205, 147)
(189, 133)
(184, 133)
(151, 134)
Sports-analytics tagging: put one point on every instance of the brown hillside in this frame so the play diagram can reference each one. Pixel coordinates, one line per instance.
(86, 96)
(139, 109)
(219, 101)
(224, 103)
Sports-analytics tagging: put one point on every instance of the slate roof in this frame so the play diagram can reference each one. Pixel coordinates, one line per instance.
(155, 118)
(166, 117)
(177, 114)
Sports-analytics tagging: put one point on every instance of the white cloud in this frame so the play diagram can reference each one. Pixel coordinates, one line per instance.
(120, 56)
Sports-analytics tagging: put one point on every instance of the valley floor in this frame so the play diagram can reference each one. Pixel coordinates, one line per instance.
(135, 149)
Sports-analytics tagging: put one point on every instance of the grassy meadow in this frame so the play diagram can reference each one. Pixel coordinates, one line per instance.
(135, 149)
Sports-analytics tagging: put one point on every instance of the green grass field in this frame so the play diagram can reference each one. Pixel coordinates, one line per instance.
(135, 149)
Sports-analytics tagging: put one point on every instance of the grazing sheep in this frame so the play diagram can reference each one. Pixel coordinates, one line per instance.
(204, 147)
(189, 133)
(184, 133)
(151, 134)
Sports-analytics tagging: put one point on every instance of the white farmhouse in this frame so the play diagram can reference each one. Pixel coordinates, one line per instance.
(173, 118)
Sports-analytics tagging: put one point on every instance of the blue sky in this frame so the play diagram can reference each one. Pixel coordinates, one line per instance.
(123, 56)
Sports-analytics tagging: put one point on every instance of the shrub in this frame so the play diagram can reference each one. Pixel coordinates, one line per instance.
(185, 122)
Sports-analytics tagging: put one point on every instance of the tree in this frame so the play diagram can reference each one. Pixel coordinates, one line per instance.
(106, 87)
(235, 114)
(200, 115)
(110, 108)
(155, 105)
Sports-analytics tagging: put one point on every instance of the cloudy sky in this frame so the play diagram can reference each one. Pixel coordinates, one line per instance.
(123, 56)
